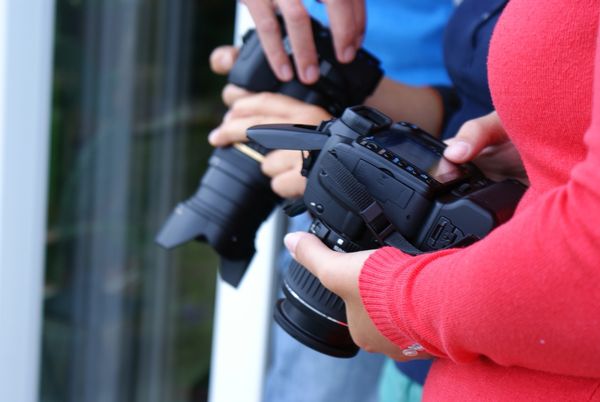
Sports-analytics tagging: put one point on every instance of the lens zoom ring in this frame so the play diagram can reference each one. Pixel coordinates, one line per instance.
(308, 287)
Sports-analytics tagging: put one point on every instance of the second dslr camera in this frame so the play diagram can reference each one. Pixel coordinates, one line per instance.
(234, 196)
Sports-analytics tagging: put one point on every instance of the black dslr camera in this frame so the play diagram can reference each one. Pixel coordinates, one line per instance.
(372, 183)
(234, 197)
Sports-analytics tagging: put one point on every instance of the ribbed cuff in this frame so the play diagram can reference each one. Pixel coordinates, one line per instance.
(377, 280)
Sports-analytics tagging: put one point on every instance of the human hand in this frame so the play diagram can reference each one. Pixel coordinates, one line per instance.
(283, 166)
(347, 19)
(339, 272)
(263, 108)
(485, 142)
(222, 60)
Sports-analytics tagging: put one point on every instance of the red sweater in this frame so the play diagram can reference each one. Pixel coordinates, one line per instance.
(516, 316)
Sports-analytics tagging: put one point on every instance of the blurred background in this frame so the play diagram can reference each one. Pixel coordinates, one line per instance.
(133, 100)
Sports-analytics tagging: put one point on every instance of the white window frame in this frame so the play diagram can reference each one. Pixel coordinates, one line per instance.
(26, 48)
(243, 316)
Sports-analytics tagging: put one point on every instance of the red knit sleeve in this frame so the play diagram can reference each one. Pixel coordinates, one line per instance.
(527, 295)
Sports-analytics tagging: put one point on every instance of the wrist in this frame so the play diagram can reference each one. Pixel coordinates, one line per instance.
(376, 284)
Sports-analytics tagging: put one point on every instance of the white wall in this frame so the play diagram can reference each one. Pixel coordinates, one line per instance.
(26, 40)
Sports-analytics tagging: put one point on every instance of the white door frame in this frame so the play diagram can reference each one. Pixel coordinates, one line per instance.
(26, 48)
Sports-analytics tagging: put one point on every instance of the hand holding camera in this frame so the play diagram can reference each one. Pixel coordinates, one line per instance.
(249, 109)
(263, 108)
(347, 18)
(234, 196)
(339, 272)
(373, 183)
(485, 142)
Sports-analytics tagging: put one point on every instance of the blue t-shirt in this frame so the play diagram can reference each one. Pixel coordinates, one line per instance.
(406, 35)
(466, 46)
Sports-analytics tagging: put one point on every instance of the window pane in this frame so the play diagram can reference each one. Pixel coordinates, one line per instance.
(133, 101)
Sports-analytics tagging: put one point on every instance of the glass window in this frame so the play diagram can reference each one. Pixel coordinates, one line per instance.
(133, 102)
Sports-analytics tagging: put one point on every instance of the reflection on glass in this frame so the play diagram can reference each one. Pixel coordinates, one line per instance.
(133, 101)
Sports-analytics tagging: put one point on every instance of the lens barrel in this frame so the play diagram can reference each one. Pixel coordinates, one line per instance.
(314, 315)
(233, 199)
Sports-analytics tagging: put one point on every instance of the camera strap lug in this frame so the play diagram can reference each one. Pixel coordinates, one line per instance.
(294, 207)
(308, 159)
(376, 221)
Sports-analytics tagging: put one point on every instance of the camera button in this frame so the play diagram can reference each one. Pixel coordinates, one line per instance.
(319, 230)
(386, 154)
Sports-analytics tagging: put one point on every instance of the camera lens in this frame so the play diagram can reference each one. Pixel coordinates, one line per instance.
(232, 201)
(313, 315)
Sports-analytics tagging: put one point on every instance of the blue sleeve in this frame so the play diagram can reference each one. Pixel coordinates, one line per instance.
(466, 47)
(406, 35)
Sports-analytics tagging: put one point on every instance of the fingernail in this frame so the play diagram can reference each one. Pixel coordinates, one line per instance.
(285, 72)
(291, 240)
(312, 74)
(212, 136)
(349, 54)
(458, 150)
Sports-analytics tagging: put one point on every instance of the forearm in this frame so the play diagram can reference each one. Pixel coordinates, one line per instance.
(420, 105)
(526, 295)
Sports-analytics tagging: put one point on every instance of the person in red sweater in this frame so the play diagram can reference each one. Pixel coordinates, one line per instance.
(516, 316)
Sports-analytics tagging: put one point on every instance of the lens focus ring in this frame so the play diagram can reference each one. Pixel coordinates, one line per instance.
(312, 293)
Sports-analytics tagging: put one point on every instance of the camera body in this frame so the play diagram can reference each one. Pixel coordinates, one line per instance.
(339, 85)
(372, 182)
(234, 197)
